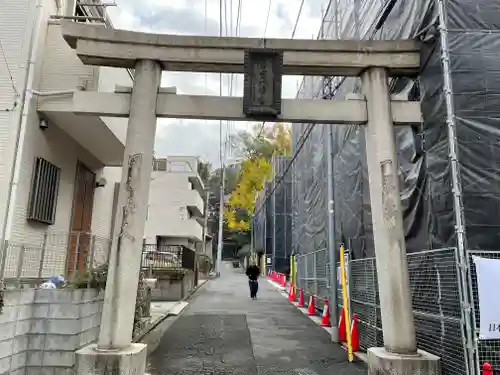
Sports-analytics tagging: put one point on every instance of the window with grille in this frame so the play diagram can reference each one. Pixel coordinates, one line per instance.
(89, 10)
(160, 165)
(44, 191)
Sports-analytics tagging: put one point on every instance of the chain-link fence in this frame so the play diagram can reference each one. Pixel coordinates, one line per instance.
(437, 307)
(436, 296)
(57, 253)
(313, 272)
(364, 301)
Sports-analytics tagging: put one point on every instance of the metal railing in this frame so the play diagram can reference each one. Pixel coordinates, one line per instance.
(54, 254)
(312, 275)
(168, 257)
(364, 301)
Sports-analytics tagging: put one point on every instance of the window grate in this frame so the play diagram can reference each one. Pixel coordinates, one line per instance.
(44, 191)
(160, 165)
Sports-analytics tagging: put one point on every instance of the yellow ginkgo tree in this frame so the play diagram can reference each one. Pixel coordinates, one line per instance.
(258, 148)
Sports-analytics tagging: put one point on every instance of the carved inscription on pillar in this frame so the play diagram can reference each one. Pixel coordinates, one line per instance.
(262, 89)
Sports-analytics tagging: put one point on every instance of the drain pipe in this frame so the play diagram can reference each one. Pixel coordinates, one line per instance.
(456, 189)
(20, 120)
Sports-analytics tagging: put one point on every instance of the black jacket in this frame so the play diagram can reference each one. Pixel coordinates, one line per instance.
(253, 272)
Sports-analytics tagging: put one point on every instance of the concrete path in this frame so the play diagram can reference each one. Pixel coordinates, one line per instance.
(224, 332)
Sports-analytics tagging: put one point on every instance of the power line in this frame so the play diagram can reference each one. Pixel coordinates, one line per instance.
(222, 180)
(11, 77)
(238, 19)
(220, 87)
(293, 35)
(298, 17)
(267, 18)
(302, 141)
(308, 131)
(282, 176)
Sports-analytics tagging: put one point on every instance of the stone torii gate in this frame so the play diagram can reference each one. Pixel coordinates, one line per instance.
(263, 61)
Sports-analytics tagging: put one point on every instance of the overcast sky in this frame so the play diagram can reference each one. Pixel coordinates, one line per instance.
(187, 17)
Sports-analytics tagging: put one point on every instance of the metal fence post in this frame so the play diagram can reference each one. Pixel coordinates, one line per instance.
(470, 348)
(67, 256)
(306, 275)
(77, 253)
(42, 255)
(20, 265)
(3, 263)
(332, 252)
(315, 274)
(90, 263)
(298, 272)
(349, 278)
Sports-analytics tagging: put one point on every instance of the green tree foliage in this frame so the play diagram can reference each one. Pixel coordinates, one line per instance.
(258, 148)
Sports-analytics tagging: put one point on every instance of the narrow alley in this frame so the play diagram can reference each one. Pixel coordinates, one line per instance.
(224, 332)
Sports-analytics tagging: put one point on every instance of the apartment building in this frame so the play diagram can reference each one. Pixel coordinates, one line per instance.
(57, 168)
(176, 203)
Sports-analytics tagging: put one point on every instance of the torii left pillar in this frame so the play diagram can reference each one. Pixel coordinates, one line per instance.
(115, 353)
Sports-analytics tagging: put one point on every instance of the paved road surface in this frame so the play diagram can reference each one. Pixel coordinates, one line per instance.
(224, 332)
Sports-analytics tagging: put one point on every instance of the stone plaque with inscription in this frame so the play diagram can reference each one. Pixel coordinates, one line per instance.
(262, 88)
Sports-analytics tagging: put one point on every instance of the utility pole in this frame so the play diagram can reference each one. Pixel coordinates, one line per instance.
(205, 221)
(332, 252)
(203, 235)
(221, 220)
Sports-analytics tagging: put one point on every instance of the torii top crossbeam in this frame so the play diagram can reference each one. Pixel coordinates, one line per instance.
(96, 45)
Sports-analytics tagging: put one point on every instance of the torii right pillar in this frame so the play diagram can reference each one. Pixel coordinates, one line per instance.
(400, 354)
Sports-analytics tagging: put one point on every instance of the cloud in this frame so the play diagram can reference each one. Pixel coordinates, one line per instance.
(191, 17)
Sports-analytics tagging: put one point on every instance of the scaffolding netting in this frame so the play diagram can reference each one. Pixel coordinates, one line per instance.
(272, 220)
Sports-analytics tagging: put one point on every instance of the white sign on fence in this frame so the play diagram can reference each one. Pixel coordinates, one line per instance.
(488, 280)
(339, 279)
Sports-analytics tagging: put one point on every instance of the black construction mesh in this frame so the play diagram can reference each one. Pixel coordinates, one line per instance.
(272, 221)
(473, 43)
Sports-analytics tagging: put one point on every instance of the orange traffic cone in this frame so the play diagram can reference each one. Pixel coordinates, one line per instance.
(290, 290)
(342, 333)
(325, 318)
(284, 280)
(487, 369)
(292, 295)
(354, 333)
(301, 298)
(311, 311)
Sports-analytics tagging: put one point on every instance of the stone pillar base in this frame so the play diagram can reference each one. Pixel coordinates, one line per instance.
(129, 361)
(381, 362)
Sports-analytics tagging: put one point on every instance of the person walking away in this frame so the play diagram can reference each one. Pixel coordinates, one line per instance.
(253, 273)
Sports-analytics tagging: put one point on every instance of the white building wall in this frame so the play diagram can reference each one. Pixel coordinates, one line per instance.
(169, 195)
(63, 62)
(16, 18)
(108, 78)
(103, 202)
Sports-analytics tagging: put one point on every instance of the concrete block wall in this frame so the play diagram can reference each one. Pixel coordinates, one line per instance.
(41, 329)
(173, 287)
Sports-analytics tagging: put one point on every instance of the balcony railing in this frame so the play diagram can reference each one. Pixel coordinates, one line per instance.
(56, 253)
